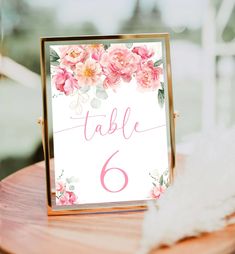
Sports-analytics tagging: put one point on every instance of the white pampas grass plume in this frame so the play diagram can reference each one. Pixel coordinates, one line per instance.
(201, 197)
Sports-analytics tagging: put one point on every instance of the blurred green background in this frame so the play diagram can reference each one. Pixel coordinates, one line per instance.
(202, 52)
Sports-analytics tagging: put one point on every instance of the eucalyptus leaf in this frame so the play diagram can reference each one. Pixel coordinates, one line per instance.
(95, 103)
(53, 55)
(84, 89)
(55, 63)
(71, 179)
(161, 97)
(101, 93)
(68, 180)
(152, 176)
(106, 46)
(161, 181)
(166, 172)
(158, 63)
(129, 45)
(62, 172)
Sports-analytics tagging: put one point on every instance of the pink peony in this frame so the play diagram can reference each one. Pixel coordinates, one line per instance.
(71, 55)
(88, 73)
(148, 76)
(111, 81)
(60, 186)
(143, 52)
(157, 191)
(96, 51)
(64, 81)
(119, 63)
(68, 198)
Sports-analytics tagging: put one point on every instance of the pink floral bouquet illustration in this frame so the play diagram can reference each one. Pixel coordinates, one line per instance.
(76, 69)
(160, 183)
(65, 194)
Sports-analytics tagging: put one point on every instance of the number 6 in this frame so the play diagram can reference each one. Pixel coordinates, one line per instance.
(105, 170)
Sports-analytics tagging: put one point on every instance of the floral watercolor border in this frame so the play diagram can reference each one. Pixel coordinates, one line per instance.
(160, 182)
(65, 190)
(76, 69)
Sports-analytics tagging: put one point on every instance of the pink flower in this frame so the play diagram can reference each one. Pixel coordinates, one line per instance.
(68, 198)
(148, 76)
(64, 81)
(71, 55)
(88, 73)
(60, 186)
(111, 80)
(96, 51)
(119, 63)
(157, 191)
(143, 52)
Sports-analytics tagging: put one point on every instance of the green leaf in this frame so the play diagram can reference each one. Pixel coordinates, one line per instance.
(157, 63)
(95, 103)
(101, 93)
(55, 63)
(161, 181)
(153, 176)
(62, 172)
(84, 89)
(129, 45)
(106, 46)
(53, 56)
(161, 97)
(54, 53)
(68, 180)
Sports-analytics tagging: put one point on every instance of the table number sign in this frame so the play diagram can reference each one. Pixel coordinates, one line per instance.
(108, 107)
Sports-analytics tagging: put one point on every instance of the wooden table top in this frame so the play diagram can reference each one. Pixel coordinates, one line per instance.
(26, 228)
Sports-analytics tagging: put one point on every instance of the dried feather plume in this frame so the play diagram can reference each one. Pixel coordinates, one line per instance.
(202, 196)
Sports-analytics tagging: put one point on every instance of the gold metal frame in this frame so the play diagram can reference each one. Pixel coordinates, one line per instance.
(111, 207)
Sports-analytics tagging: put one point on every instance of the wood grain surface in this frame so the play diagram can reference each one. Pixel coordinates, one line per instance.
(26, 228)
